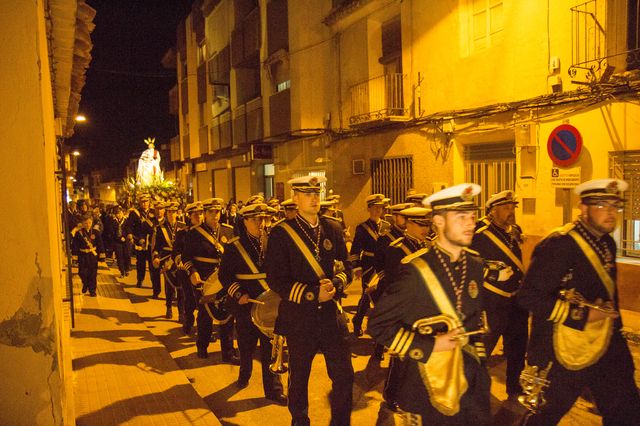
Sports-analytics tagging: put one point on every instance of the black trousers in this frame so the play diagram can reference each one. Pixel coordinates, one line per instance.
(611, 383)
(248, 338)
(88, 271)
(507, 319)
(205, 328)
(171, 292)
(121, 257)
(156, 283)
(190, 303)
(329, 335)
(143, 258)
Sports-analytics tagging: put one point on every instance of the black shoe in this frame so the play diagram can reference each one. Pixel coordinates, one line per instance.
(278, 398)
(169, 314)
(154, 296)
(358, 332)
(92, 294)
(241, 384)
(139, 284)
(202, 353)
(231, 358)
(186, 328)
(85, 289)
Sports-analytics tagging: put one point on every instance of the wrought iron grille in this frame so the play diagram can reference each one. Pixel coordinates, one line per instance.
(392, 177)
(376, 99)
(492, 166)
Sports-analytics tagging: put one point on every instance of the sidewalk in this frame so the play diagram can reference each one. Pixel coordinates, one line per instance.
(122, 373)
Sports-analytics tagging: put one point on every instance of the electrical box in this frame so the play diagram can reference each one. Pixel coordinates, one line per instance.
(554, 64)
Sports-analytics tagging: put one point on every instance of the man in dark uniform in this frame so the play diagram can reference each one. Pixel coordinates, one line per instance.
(441, 378)
(417, 224)
(362, 254)
(580, 345)
(158, 218)
(164, 238)
(499, 241)
(140, 228)
(300, 260)
(87, 249)
(119, 238)
(203, 250)
(194, 212)
(243, 277)
(290, 209)
(395, 231)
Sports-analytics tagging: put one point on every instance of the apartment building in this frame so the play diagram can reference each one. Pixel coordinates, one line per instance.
(389, 95)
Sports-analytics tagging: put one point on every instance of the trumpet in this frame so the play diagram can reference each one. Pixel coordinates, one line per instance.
(494, 265)
(425, 325)
(572, 296)
(534, 381)
(277, 355)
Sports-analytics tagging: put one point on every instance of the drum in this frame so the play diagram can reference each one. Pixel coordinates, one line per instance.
(264, 314)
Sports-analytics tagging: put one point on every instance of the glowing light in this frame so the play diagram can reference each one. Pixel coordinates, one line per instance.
(81, 118)
(76, 153)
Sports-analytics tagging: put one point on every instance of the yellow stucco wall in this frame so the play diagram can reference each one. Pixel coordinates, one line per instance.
(31, 329)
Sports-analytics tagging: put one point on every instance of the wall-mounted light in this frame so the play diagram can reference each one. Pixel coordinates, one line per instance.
(76, 153)
(81, 118)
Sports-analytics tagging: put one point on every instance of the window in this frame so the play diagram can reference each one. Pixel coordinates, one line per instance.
(269, 181)
(202, 52)
(486, 22)
(392, 177)
(626, 165)
(492, 166)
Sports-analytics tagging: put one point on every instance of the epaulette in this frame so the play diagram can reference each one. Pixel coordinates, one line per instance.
(233, 240)
(396, 242)
(468, 250)
(329, 217)
(481, 230)
(408, 258)
(227, 225)
(562, 230)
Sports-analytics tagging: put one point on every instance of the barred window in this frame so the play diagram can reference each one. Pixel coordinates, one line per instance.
(626, 165)
(392, 177)
(492, 166)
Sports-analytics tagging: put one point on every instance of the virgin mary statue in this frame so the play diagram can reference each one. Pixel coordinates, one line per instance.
(149, 165)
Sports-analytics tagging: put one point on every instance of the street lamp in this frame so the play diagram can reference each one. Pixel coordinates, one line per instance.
(81, 118)
(76, 153)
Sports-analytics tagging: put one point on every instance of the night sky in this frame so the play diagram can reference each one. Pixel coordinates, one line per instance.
(125, 98)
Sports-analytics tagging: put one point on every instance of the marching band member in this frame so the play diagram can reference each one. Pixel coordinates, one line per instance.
(423, 314)
(499, 240)
(300, 267)
(140, 228)
(87, 248)
(243, 277)
(570, 290)
(202, 252)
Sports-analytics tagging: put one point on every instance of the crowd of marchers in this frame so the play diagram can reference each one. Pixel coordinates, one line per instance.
(440, 286)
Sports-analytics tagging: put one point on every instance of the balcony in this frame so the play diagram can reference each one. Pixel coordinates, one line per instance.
(377, 101)
(604, 40)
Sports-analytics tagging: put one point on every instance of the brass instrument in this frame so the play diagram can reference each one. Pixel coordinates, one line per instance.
(572, 296)
(263, 314)
(534, 381)
(425, 325)
(494, 265)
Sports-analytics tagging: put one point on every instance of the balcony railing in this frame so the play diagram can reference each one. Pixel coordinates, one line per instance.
(605, 40)
(378, 99)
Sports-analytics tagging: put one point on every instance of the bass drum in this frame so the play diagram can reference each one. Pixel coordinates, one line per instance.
(264, 314)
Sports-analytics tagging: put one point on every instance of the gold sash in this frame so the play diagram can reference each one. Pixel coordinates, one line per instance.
(311, 260)
(578, 349)
(252, 266)
(210, 238)
(443, 373)
(367, 228)
(504, 249)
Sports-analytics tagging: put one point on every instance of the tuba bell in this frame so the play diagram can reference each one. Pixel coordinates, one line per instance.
(263, 314)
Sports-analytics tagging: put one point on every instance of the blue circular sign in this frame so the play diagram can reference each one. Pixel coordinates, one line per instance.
(564, 145)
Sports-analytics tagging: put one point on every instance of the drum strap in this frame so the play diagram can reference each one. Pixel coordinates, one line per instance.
(252, 266)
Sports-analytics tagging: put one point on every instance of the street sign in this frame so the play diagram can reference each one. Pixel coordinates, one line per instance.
(261, 151)
(565, 178)
(564, 145)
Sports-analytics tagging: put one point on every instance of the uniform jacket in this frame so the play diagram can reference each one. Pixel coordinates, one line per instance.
(507, 250)
(163, 240)
(290, 275)
(87, 247)
(140, 225)
(202, 251)
(363, 249)
(558, 263)
(407, 300)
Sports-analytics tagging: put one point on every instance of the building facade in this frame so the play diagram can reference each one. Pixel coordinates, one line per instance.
(387, 96)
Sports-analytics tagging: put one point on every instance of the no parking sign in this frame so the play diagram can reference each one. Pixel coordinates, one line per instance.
(564, 145)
